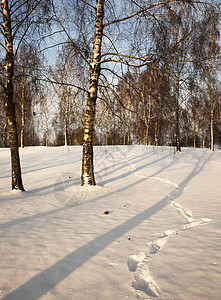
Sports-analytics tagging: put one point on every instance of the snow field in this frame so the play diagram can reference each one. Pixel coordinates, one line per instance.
(160, 239)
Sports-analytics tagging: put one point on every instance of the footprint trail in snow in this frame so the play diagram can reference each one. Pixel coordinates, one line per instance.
(138, 263)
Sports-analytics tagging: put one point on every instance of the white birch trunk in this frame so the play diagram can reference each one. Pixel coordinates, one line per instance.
(194, 133)
(87, 176)
(8, 102)
(213, 90)
(22, 113)
(66, 128)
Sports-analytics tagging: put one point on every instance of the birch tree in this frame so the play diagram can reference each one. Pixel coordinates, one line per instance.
(6, 30)
(102, 52)
(66, 76)
(206, 51)
(173, 38)
(26, 90)
(16, 24)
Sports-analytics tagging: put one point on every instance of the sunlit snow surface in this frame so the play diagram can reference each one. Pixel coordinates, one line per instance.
(151, 228)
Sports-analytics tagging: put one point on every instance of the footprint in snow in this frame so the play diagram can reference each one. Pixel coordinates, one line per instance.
(138, 263)
(142, 280)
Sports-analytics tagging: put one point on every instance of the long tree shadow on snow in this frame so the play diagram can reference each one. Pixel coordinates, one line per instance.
(59, 186)
(40, 284)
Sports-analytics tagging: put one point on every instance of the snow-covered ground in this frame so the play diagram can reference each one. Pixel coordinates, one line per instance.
(159, 238)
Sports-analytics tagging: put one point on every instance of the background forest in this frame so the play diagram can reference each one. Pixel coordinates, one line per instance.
(159, 79)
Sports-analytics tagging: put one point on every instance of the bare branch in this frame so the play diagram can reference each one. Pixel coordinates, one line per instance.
(25, 18)
(50, 35)
(71, 40)
(88, 4)
(47, 79)
(127, 63)
(53, 46)
(116, 96)
(137, 12)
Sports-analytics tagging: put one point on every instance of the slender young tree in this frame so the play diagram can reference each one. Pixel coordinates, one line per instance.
(26, 90)
(206, 52)
(172, 39)
(67, 73)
